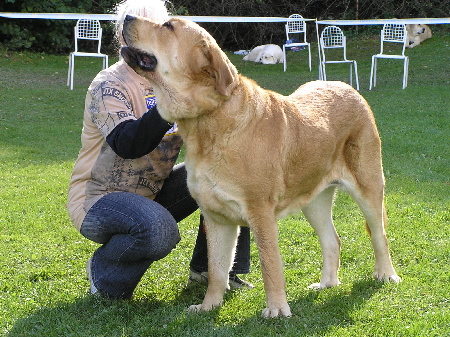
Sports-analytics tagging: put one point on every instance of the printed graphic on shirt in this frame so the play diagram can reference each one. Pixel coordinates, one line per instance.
(105, 125)
(151, 185)
(109, 106)
(150, 100)
(114, 92)
(173, 130)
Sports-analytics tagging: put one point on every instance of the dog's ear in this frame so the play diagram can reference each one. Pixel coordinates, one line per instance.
(221, 69)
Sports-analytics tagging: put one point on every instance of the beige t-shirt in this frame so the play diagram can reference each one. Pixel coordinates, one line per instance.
(115, 95)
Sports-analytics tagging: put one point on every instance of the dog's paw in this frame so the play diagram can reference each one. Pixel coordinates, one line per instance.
(315, 286)
(195, 308)
(276, 312)
(324, 285)
(201, 307)
(391, 277)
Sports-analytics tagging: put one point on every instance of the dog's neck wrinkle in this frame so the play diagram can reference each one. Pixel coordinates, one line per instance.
(201, 133)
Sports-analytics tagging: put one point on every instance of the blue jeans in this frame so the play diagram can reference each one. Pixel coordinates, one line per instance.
(135, 231)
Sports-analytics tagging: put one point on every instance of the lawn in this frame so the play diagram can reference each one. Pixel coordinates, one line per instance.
(43, 290)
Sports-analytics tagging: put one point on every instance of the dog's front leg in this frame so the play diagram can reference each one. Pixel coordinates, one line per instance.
(222, 240)
(266, 236)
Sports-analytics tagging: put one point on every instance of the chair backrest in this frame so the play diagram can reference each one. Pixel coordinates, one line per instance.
(395, 33)
(296, 25)
(87, 29)
(332, 37)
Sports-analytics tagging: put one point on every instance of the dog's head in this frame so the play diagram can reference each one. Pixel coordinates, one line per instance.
(188, 71)
(269, 58)
(416, 29)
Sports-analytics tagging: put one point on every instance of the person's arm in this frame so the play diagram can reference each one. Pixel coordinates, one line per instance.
(135, 138)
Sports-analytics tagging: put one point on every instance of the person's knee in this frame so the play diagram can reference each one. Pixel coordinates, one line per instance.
(165, 239)
(158, 238)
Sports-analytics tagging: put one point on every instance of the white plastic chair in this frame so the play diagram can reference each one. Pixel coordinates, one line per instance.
(332, 37)
(395, 33)
(86, 29)
(296, 27)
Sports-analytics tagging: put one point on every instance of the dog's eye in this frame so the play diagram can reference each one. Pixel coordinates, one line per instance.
(168, 24)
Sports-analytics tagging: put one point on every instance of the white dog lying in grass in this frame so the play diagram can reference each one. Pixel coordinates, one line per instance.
(416, 34)
(265, 54)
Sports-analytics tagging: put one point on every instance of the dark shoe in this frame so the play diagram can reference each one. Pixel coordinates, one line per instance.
(202, 278)
(236, 282)
(198, 277)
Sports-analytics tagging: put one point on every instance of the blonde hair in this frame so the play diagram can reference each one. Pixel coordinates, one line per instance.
(152, 9)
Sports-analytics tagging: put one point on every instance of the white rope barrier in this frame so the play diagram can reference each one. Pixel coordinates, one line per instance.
(428, 21)
(238, 19)
(112, 17)
(58, 16)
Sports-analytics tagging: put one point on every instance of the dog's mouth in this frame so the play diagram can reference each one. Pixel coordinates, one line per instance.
(136, 58)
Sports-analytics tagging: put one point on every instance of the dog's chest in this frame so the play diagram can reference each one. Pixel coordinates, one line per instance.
(214, 192)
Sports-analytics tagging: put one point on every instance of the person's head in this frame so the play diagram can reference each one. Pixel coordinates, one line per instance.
(153, 9)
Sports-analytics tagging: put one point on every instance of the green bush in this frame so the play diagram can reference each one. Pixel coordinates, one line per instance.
(42, 35)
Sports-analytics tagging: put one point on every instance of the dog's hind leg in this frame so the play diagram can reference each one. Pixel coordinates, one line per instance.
(221, 240)
(371, 203)
(367, 190)
(319, 215)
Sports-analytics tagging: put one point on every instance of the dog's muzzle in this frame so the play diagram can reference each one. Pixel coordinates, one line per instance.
(138, 59)
(134, 57)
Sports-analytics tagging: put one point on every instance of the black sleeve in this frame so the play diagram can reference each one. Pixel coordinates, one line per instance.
(136, 138)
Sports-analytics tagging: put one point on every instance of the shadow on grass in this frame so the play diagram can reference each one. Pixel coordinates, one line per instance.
(314, 314)
(319, 311)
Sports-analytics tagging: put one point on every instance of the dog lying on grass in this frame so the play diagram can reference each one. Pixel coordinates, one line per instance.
(265, 54)
(416, 34)
(254, 156)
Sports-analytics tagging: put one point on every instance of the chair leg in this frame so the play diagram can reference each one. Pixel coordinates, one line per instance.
(309, 57)
(405, 73)
(356, 75)
(372, 72)
(351, 74)
(407, 70)
(72, 70)
(284, 58)
(375, 69)
(69, 70)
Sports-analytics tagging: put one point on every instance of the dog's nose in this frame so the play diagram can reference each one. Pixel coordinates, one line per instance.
(129, 18)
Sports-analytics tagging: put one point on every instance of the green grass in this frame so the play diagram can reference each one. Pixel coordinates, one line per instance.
(43, 290)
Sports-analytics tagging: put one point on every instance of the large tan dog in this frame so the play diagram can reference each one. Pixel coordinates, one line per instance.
(416, 34)
(254, 156)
